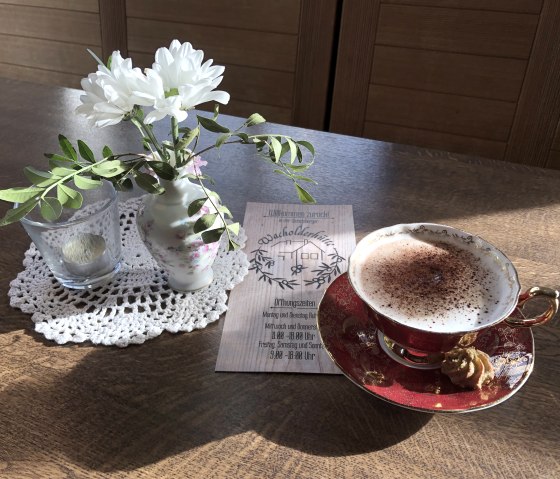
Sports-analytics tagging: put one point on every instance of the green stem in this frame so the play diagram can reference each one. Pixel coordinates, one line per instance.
(136, 120)
(213, 146)
(64, 179)
(175, 135)
(89, 166)
(222, 218)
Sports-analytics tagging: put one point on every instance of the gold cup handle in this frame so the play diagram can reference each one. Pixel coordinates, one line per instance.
(553, 297)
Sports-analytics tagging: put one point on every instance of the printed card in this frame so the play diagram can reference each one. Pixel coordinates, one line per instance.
(295, 252)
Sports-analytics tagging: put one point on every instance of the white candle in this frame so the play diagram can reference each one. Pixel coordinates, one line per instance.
(86, 255)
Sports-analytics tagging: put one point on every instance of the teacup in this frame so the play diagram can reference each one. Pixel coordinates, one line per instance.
(433, 287)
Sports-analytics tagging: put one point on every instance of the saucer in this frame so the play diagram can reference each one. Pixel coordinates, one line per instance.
(351, 340)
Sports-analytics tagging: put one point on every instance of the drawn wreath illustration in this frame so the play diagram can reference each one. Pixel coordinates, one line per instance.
(262, 263)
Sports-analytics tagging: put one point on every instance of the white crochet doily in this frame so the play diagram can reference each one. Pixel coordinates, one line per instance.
(135, 306)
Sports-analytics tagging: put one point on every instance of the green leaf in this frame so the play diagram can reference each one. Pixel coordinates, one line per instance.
(244, 137)
(38, 177)
(59, 158)
(254, 119)
(307, 145)
(211, 236)
(108, 169)
(124, 185)
(61, 195)
(61, 171)
(85, 152)
(164, 170)
(282, 172)
(299, 167)
(304, 195)
(69, 197)
(225, 211)
(213, 194)
(16, 214)
(234, 228)
(85, 183)
(222, 139)
(107, 152)
(211, 125)
(50, 208)
(232, 245)
(276, 148)
(188, 137)
(148, 183)
(305, 178)
(67, 147)
(195, 206)
(293, 149)
(216, 111)
(285, 148)
(19, 195)
(204, 222)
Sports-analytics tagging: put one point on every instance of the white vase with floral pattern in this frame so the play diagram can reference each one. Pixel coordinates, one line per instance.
(167, 231)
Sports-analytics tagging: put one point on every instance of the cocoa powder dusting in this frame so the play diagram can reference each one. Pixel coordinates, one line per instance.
(430, 282)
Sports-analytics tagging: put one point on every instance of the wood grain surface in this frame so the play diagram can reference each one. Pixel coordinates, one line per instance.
(498, 34)
(159, 410)
(538, 110)
(519, 6)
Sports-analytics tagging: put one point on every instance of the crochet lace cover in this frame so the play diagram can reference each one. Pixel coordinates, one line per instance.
(135, 306)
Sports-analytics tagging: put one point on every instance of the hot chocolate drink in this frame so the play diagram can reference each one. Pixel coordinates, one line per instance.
(431, 282)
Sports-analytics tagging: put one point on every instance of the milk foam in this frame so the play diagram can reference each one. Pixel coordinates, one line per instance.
(433, 283)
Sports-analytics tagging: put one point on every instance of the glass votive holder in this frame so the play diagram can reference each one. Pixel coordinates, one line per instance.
(83, 247)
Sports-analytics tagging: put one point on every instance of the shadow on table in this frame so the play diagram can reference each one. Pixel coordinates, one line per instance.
(124, 409)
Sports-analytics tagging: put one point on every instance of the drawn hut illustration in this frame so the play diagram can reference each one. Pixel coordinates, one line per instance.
(298, 252)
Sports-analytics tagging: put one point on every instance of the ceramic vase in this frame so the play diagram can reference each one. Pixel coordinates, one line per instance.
(167, 231)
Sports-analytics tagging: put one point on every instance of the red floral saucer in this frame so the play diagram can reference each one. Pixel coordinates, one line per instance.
(350, 338)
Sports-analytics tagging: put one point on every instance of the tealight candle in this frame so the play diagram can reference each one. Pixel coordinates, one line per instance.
(86, 255)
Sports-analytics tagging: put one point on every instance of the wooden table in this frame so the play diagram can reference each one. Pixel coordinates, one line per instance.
(159, 409)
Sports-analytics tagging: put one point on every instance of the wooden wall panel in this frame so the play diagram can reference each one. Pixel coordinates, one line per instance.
(538, 110)
(112, 19)
(77, 5)
(259, 67)
(353, 66)
(520, 6)
(456, 73)
(280, 16)
(315, 55)
(444, 74)
(45, 41)
(51, 24)
(460, 115)
(46, 55)
(463, 31)
(554, 160)
(556, 141)
(278, 54)
(254, 85)
(275, 51)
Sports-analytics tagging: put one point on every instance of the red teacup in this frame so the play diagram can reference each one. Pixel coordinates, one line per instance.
(432, 287)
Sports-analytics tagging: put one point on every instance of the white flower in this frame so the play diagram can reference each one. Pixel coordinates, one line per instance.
(170, 106)
(185, 81)
(110, 94)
